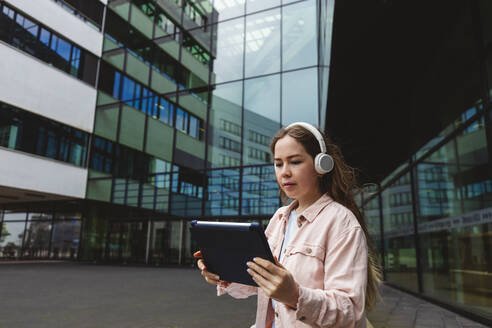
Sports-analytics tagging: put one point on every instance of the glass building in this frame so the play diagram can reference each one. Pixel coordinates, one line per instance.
(417, 77)
(164, 110)
(122, 120)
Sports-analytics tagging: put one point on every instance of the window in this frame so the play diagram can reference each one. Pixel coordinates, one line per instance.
(258, 138)
(141, 98)
(229, 144)
(166, 110)
(35, 39)
(195, 49)
(34, 134)
(230, 127)
(258, 154)
(195, 14)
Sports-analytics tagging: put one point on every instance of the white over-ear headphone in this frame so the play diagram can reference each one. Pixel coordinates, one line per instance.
(323, 163)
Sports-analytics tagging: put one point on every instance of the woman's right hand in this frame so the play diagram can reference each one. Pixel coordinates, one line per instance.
(210, 277)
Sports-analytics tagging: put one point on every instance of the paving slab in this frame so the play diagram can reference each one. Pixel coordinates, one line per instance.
(399, 309)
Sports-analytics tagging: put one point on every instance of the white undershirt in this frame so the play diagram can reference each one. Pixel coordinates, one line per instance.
(290, 232)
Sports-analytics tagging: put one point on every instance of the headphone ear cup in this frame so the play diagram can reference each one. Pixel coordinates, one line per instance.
(323, 163)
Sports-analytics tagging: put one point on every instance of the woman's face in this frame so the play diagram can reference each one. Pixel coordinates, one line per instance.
(294, 170)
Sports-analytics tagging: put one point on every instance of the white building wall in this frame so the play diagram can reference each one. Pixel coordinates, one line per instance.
(33, 85)
(30, 172)
(63, 22)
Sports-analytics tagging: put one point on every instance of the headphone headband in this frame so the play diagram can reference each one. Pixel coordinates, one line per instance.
(315, 133)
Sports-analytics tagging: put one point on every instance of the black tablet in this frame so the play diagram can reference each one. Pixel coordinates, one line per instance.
(227, 246)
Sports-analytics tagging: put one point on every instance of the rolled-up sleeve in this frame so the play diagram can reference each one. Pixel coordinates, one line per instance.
(237, 290)
(342, 301)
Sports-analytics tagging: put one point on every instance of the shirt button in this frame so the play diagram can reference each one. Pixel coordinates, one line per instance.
(308, 250)
(276, 314)
(285, 251)
(302, 318)
(299, 224)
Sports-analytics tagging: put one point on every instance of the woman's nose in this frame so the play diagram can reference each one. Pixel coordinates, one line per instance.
(285, 171)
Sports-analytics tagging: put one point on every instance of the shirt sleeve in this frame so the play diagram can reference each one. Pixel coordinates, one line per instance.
(342, 302)
(237, 290)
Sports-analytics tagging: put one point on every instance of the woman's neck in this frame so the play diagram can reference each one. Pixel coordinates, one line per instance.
(304, 203)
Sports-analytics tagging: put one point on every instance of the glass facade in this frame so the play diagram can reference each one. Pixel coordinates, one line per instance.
(189, 94)
(431, 217)
(199, 88)
(437, 216)
(37, 235)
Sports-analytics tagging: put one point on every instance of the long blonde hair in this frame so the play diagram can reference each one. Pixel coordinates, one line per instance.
(339, 184)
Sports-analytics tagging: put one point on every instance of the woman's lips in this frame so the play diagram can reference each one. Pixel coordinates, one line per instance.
(289, 185)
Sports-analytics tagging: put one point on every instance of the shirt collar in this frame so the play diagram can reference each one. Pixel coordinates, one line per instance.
(310, 213)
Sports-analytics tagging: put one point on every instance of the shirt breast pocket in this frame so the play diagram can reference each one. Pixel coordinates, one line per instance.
(308, 251)
(306, 263)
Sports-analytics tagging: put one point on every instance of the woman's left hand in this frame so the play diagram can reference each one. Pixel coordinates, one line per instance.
(275, 281)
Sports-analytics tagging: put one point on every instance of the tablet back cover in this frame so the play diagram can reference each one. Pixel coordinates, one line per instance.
(226, 250)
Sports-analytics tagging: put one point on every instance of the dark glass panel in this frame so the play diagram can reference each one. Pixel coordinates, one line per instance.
(65, 238)
(259, 191)
(37, 239)
(34, 134)
(400, 251)
(455, 218)
(91, 9)
(223, 192)
(109, 80)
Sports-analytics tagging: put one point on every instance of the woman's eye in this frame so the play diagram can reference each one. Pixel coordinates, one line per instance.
(278, 164)
(296, 162)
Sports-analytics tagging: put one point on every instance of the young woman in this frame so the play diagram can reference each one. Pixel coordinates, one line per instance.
(326, 274)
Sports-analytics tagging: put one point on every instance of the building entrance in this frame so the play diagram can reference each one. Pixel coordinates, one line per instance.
(127, 241)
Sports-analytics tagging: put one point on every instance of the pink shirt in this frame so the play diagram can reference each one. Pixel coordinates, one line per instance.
(328, 259)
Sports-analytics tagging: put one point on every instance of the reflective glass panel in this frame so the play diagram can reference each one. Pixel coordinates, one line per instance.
(223, 192)
(14, 216)
(228, 64)
(256, 5)
(262, 43)
(11, 239)
(225, 124)
(300, 96)
(372, 217)
(400, 254)
(455, 199)
(259, 190)
(94, 237)
(37, 239)
(229, 8)
(65, 238)
(261, 118)
(299, 37)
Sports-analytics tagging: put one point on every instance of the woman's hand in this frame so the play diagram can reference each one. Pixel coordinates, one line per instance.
(275, 281)
(210, 277)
